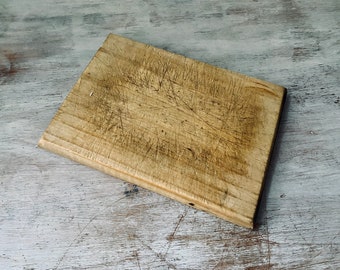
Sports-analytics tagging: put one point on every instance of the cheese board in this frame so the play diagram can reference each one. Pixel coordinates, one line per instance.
(196, 133)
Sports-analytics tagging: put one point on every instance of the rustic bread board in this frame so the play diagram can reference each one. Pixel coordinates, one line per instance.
(193, 132)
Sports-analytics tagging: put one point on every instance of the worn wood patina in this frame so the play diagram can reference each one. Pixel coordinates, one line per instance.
(58, 214)
(185, 129)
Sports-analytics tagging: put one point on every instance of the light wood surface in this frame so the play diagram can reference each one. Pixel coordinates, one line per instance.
(58, 214)
(193, 132)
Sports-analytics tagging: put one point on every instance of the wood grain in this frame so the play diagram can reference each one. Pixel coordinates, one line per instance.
(185, 129)
(59, 214)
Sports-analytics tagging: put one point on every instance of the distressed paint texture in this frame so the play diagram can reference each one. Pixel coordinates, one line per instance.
(56, 214)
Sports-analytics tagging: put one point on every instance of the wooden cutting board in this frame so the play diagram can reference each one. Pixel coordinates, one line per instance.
(193, 132)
